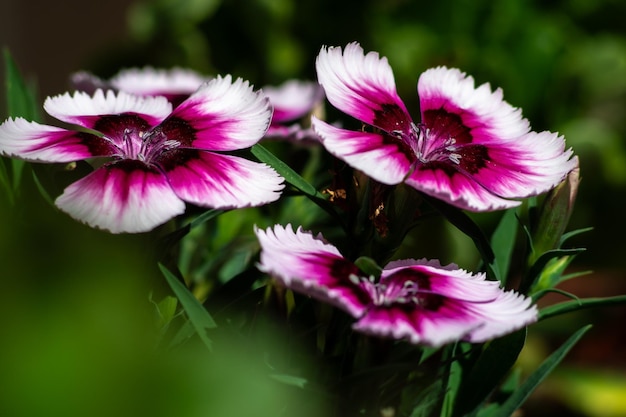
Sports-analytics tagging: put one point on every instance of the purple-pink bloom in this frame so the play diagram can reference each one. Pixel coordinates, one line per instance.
(415, 300)
(471, 149)
(176, 84)
(292, 101)
(159, 158)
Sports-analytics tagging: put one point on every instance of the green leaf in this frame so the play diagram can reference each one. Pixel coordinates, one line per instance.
(21, 98)
(291, 176)
(197, 314)
(551, 274)
(452, 390)
(368, 266)
(184, 333)
(21, 102)
(424, 400)
(205, 217)
(166, 310)
(528, 386)
(172, 238)
(5, 179)
(580, 304)
(573, 233)
(536, 296)
(535, 270)
(295, 381)
(42, 190)
(487, 372)
(503, 242)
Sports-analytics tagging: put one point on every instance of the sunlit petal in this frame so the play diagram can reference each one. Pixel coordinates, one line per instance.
(85, 110)
(224, 115)
(379, 156)
(362, 86)
(310, 265)
(42, 143)
(124, 197)
(220, 181)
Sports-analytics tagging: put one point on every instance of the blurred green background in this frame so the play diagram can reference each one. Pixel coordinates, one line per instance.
(75, 305)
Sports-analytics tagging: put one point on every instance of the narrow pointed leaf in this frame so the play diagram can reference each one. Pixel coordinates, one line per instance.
(205, 217)
(518, 397)
(22, 102)
(540, 264)
(295, 381)
(21, 98)
(452, 391)
(503, 242)
(291, 176)
(42, 190)
(5, 180)
(573, 233)
(583, 303)
(197, 314)
(488, 371)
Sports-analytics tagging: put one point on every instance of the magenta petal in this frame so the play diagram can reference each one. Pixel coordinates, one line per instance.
(485, 113)
(456, 188)
(446, 281)
(429, 304)
(530, 165)
(123, 197)
(452, 320)
(310, 265)
(379, 156)
(478, 150)
(85, 110)
(42, 143)
(418, 326)
(362, 86)
(224, 115)
(220, 181)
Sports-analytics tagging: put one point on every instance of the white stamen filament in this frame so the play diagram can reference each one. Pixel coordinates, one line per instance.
(420, 141)
(387, 295)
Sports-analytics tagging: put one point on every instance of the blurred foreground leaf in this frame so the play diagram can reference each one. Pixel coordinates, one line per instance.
(198, 315)
(21, 102)
(528, 386)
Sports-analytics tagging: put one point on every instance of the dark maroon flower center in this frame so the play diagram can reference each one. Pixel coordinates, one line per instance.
(405, 288)
(442, 141)
(133, 138)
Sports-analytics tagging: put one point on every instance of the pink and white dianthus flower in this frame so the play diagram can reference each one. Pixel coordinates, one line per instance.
(415, 300)
(291, 100)
(158, 158)
(471, 149)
